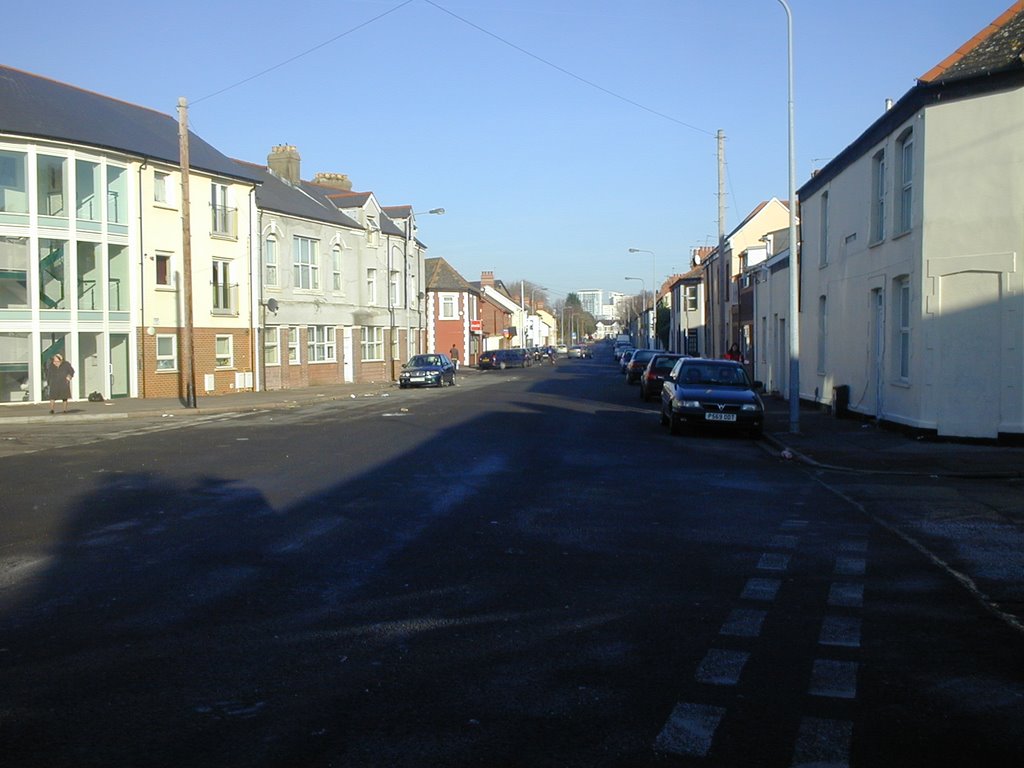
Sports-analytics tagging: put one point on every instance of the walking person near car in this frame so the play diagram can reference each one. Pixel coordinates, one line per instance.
(58, 380)
(453, 353)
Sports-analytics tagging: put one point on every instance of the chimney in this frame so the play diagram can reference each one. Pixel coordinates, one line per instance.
(284, 161)
(334, 180)
(888, 104)
(486, 279)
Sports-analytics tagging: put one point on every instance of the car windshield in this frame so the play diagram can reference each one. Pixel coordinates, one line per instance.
(726, 375)
(419, 361)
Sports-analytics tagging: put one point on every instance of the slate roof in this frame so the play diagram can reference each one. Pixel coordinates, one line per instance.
(442, 276)
(37, 107)
(996, 48)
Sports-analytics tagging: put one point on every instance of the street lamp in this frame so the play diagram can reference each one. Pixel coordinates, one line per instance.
(533, 292)
(643, 294)
(794, 272)
(654, 289)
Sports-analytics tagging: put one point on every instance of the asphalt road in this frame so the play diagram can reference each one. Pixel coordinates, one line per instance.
(525, 570)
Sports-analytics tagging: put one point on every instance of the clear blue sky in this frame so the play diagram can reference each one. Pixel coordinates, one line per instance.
(545, 177)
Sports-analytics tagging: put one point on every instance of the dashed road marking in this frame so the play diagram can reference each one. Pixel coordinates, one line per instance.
(721, 667)
(690, 730)
(743, 622)
(764, 590)
(834, 679)
(782, 541)
(858, 545)
(841, 631)
(846, 595)
(850, 566)
(773, 561)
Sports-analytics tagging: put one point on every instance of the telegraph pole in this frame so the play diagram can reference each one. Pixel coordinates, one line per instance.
(723, 267)
(186, 257)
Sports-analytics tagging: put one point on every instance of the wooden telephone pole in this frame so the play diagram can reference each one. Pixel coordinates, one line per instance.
(186, 257)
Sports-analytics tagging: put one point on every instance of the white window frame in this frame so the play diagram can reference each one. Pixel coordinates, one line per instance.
(823, 231)
(167, 363)
(223, 300)
(272, 346)
(320, 344)
(878, 196)
(905, 320)
(448, 304)
(163, 189)
(371, 343)
(294, 357)
(393, 284)
(822, 332)
(271, 262)
(905, 160)
(157, 258)
(306, 263)
(336, 281)
(690, 298)
(223, 351)
(371, 287)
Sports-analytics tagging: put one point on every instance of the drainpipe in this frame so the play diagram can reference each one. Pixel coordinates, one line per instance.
(140, 371)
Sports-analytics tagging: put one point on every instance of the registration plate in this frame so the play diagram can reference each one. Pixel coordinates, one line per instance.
(720, 417)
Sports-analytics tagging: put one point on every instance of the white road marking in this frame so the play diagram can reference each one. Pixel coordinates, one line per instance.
(793, 525)
(854, 545)
(822, 743)
(720, 667)
(850, 566)
(834, 679)
(743, 622)
(773, 561)
(781, 541)
(846, 595)
(764, 590)
(841, 631)
(690, 730)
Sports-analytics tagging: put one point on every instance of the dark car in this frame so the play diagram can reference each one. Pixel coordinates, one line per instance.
(713, 393)
(624, 355)
(427, 371)
(654, 375)
(637, 363)
(501, 359)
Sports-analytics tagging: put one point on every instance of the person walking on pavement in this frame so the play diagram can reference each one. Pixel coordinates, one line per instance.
(453, 353)
(58, 380)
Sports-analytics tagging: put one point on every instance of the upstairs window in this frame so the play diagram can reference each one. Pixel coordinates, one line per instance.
(878, 197)
(823, 232)
(306, 263)
(905, 178)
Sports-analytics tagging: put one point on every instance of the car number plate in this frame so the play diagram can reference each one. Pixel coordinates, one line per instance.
(720, 417)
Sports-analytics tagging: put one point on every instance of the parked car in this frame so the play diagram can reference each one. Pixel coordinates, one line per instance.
(636, 364)
(623, 358)
(713, 393)
(654, 375)
(527, 357)
(562, 349)
(576, 351)
(427, 371)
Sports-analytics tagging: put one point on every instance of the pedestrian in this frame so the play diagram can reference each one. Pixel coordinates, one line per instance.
(58, 380)
(453, 353)
(734, 353)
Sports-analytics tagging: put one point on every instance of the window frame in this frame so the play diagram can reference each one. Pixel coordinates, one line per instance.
(448, 306)
(218, 355)
(222, 297)
(305, 263)
(168, 258)
(823, 226)
(904, 331)
(271, 262)
(371, 350)
(321, 346)
(878, 172)
(172, 358)
(294, 353)
(272, 344)
(905, 178)
(371, 286)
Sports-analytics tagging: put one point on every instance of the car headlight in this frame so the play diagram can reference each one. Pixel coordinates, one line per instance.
(688, 403)
(750, 407)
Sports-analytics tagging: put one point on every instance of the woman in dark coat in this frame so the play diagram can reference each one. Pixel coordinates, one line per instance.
(58, 379)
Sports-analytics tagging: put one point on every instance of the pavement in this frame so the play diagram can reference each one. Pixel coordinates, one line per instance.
(851, 444)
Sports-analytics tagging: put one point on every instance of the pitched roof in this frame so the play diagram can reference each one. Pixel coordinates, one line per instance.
(275, 194)
(996, 48)
(442, 276)
(347, 199)
(35, 106)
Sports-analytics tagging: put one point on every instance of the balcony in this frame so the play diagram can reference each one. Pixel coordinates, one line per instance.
(224, 221)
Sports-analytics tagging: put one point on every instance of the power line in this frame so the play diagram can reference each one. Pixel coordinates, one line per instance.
(565, 71)
(308, 51)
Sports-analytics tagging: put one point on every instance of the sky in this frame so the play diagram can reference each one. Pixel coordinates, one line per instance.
(556, 134)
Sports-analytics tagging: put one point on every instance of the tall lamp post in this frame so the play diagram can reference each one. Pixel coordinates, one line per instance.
(533, 311)
(794, 268)
(643, 295)
(654, 290)
(420, 293)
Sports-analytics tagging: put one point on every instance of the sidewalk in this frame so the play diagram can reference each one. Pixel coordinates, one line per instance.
(861, 445)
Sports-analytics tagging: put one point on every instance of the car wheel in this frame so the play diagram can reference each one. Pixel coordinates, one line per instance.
(675, 426)
(452, 382)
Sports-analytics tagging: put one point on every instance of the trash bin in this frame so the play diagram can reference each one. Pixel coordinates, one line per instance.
(841, 401)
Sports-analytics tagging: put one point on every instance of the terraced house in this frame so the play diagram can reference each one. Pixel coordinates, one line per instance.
(91, 259)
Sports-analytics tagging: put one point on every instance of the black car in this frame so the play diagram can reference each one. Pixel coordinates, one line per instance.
(501, 359)
(637, 363)
(427, 371)
(712, 393)
(653, 377)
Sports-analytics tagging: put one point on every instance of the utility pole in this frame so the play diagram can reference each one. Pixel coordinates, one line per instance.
(186, 257)
(723, 268)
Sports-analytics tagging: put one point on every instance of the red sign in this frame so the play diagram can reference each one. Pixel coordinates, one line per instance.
(476, 326)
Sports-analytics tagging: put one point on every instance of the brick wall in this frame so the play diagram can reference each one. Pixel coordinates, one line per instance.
(173, 383)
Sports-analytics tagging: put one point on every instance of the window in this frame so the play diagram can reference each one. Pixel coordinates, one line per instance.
(54, 274)
(13, 186)
(823, 232)
(223, 215)
(306, 263)
(163, 269)
(393, 284)
(336, 268)
(878, 197)
(51, 181)
(14, 275)
(372, 343)
(822, 332)
(690, 296)
(272, 345)
(320, 343)
(906, 180)
(448, 302)
(223, 290)
(89, 267)
(166, 352)
(293, 346)
(162, 190)
(118, 271)
(223, 351)
(117, 195)
(371, 287)
(88, 199)
(903, 345)
(270, 262)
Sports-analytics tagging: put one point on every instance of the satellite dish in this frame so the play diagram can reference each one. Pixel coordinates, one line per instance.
(272, 305)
